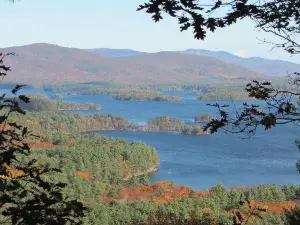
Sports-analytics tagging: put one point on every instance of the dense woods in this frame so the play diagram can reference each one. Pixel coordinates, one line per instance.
(165, 123)
(203, 117)
(143, 95)
(40, 102)
(126, 93)
(225, 94)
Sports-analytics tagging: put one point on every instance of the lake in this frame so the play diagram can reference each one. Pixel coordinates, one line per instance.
(201, 162)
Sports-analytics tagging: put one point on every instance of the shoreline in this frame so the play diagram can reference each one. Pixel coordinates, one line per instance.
(148, 171)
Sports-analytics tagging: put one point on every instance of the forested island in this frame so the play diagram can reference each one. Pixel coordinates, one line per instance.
(142, 95)
(203, 118)
(225, 94)
(40, 102)
(41, 107)
(116, 92)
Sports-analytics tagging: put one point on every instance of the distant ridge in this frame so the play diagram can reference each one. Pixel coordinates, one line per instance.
(43, 63)
(273, 68)
(269, 67)
(115, 53)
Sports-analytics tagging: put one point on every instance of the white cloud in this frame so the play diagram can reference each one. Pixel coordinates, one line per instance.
(241, 53)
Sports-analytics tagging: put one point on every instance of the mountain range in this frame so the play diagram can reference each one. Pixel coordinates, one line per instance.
(43, 63)
(274, 68)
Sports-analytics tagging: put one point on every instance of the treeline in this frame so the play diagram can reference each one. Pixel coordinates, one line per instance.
(203, 118)
(142, 95)
(263, 204)
(98, 87)
(48, 123)
(229, 93)
(165, 123)
(118, 92)
(66, 122)
(39, 102)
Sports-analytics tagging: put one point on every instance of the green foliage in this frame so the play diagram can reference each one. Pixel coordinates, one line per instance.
(26, 196)
(193, 130)
(164, 123)
(225, 94)
(204, 117)
(142, 95)
(267, 192)
(43, 103)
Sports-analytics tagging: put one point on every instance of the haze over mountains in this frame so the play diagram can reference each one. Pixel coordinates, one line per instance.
(46, 64)
(274, 68)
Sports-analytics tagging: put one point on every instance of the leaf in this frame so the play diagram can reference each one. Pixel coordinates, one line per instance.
(24, 98)
(17, 88)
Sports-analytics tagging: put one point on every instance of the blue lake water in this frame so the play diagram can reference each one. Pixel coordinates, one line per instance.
(269, 157)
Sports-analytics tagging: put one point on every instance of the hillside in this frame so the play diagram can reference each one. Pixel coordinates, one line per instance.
(45, 63)
(114, 53)
(193, 66)
(274, 68)
(269, 67)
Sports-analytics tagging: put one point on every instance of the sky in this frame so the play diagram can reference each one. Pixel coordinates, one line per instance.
(117, 24)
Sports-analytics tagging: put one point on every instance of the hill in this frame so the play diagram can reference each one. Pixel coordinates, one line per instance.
(115, 53)
(193, 67)
(47, 64)
(269, 67)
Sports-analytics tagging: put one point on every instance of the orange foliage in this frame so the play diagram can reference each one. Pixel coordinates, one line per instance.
(161, 184)
(144, 192)
(107, 200)
(203, 193)
(206, 210)
(6, 127)
(84, 175)
(136, 193)
(274, 207)
(172, 193)
(11, 173)
(39, 144)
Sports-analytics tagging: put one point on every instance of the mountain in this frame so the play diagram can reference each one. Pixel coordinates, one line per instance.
(115, 53)
(46, 63)
(275, 68)
(192, 66)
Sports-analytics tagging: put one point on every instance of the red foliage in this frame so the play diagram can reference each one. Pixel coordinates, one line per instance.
(84, 175)
(170, 193)
(161, 184)
(136, 193)
(40, 144)
(274, 207)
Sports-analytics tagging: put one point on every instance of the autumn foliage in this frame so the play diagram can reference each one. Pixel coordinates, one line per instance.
(11, 173)
(84, 175)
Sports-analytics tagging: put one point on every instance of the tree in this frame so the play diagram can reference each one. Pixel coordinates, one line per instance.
(278, 17)
(26, 195)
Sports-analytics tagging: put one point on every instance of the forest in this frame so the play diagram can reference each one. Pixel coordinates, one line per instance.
(225, 94)
(40, 102)
(55, 170)
(110, 177)
(117, 92)
(143, 95)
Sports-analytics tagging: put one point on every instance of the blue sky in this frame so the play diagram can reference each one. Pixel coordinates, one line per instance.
(117, 24)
